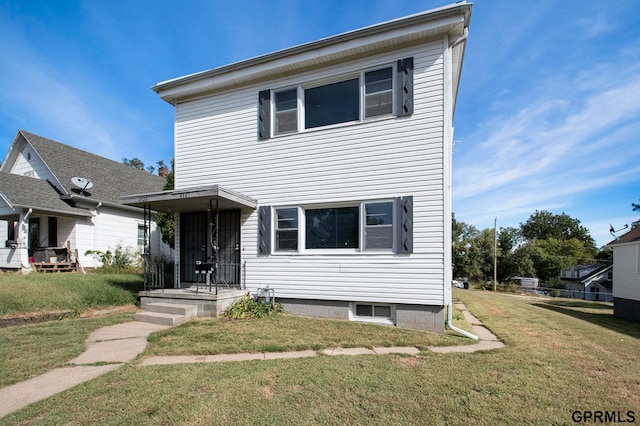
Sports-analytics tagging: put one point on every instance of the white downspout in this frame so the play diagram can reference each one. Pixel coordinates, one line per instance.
(448, 155)
(453, 327)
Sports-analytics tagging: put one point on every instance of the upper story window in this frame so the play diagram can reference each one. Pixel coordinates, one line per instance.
(332, 103)
(286, 111)
(371, 93)
(378, 92)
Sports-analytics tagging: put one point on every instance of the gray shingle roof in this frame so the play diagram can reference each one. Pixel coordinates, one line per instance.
(111, 179)
(38, 194)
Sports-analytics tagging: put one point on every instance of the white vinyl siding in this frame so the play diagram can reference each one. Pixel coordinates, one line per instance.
(28, 163)
(626, 271)
(377, 159)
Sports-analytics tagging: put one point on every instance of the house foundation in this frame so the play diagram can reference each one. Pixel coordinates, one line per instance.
(417, 317)
(208, 304)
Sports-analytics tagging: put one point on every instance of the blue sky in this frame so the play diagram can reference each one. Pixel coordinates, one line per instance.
(548, 113)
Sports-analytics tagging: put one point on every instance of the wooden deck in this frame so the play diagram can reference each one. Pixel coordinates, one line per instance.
(55, 267)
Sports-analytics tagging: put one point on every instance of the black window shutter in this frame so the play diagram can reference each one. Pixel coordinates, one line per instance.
(404, 87)
(404, 221)
(264, 230)
(264, 114)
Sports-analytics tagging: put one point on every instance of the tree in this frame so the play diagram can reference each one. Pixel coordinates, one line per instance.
(138, 164)
(461, 234)
(166, 221)
(636, 208)
(471, 251)
(543, 225)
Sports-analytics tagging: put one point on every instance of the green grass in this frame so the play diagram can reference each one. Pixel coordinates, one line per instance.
(43, 292)
(561, 356)
(285, 333)
(29, 350)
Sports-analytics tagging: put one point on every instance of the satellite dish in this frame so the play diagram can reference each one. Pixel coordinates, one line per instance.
(83, 184)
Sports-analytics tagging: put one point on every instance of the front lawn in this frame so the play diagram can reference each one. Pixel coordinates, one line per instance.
(37, 292)
(27, 351)
(561, 358)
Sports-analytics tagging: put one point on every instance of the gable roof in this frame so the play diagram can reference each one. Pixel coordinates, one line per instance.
(38, 194)
(629, 237)
(594, 269)
(110, 178)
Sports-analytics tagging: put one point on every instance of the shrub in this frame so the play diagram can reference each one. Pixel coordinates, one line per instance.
(248, 308)
(122, 259)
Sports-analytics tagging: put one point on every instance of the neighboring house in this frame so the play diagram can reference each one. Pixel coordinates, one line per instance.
(42, 211)
(588, 282)
(328, 166)
(626, 275)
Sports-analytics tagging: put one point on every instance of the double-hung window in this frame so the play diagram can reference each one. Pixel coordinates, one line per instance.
(371, 93)
(287, 229)
(378, 226)
(378, 92)
(286, 110)
(141, 236)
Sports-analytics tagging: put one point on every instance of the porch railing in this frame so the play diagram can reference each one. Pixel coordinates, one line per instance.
(221, 276)
(154, 276)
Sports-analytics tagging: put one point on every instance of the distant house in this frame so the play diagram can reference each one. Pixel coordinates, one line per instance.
(588, 282)
(626, 275)
(324, 170)
(42, 210)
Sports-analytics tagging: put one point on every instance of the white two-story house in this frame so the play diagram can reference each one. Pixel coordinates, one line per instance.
(328, 167)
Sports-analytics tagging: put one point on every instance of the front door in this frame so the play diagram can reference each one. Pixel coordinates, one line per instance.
(193, 244)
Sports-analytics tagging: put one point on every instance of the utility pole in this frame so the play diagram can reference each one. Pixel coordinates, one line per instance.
(495, 253)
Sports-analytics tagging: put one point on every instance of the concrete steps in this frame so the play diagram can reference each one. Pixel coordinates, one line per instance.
(166, 313)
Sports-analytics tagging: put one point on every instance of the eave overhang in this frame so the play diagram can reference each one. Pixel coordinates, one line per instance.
(10, 213)
(189, 200)
(411, 30)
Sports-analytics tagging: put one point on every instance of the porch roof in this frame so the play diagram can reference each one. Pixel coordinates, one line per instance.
(186, 200)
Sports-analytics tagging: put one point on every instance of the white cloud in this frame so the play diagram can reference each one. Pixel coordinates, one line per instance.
(561, 139)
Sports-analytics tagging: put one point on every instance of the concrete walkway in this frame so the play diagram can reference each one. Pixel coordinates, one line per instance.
(110, 347)
(114, 345)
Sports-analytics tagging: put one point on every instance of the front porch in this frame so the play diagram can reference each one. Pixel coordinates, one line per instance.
(207, 303)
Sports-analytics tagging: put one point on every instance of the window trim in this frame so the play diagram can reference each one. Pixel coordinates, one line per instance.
(301, 210)
(372, 319)
(301, 90)
(275, 229)
(141, 226)
(274, 112)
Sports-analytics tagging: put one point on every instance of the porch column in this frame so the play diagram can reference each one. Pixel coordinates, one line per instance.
(22, 238)
(176, 251)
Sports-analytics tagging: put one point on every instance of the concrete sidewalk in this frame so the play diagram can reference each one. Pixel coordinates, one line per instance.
(114, 345)
(118, 344)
